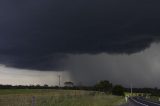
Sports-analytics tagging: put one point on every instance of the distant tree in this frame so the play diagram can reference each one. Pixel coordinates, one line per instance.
(155, 92)
(118, 90)
(45, 85)
(69, 84)
(104, 85)
(38, 86)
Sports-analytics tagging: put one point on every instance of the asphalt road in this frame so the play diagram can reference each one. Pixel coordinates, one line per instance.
(136, 101)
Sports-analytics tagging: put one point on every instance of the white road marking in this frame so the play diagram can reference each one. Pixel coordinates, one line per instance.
(139, 102)
(149, 101)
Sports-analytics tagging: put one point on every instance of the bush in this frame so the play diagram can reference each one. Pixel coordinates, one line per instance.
(118, 90)
(104, 86)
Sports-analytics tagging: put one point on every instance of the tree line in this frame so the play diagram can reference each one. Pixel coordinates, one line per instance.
(102, 86)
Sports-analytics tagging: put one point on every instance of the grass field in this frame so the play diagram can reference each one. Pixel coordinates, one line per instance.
(25, 97)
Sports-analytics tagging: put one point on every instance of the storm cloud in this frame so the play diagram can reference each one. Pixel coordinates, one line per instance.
(40, 34)
(139, 69)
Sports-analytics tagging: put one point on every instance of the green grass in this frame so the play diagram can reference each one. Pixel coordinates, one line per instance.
(23, 97)
(133, 94)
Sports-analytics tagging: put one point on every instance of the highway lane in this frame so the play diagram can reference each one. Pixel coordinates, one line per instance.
(144, 101)
(133, 102)
(136, 101)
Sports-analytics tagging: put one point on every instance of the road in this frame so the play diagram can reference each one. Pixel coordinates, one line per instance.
(136, 101)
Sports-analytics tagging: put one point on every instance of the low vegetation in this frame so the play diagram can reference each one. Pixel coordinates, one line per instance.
(70, 95)
(50, 97)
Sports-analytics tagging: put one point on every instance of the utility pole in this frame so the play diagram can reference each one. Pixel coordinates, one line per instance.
(59, 79)
(131, 89)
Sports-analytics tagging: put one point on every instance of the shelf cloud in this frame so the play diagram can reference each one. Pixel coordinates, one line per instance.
(40, 34)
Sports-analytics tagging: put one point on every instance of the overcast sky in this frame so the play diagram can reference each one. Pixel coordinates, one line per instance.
(116, 40)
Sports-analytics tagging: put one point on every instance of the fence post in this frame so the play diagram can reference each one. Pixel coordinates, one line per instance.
(33, 100)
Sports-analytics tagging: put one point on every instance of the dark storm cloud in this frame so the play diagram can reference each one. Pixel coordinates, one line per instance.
(141, 69)
(37, 34)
